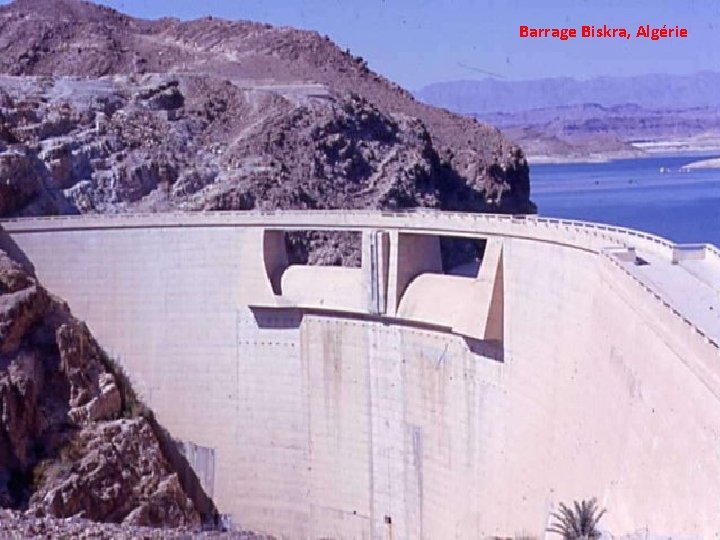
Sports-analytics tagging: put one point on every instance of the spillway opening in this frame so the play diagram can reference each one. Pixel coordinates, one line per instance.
(323, 248)
(401, 275)
(462, 256)
(468, 298)
(315, 268)
(283, 249)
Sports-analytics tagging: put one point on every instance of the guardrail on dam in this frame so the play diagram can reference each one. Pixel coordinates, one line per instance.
(395, 400)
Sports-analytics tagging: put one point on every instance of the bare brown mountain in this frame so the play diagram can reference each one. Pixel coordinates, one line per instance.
(102, 112)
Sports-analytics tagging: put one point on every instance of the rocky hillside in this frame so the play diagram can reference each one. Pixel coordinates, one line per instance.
(73, 439)
(162, 142)
(100, 112)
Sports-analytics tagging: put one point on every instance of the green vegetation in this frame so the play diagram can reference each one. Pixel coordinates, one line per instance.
(579, 522)
(132, 405)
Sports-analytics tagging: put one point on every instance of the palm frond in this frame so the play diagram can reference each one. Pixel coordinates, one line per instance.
(578, 522)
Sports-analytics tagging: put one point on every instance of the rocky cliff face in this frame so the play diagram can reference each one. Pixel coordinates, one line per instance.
(100, 112)
(156, 143)
(70, 443)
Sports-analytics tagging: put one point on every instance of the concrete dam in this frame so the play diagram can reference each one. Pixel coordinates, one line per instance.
(397, 400)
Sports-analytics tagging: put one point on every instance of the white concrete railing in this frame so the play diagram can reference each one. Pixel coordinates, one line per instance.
(341, 219)
(422, 221)
(344, 219)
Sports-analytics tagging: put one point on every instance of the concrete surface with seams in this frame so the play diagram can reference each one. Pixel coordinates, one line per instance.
(395, 400)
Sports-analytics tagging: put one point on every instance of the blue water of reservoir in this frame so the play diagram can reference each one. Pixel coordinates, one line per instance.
(681, 206)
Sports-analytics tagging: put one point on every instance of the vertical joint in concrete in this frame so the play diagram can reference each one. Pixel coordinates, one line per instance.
(375, 263)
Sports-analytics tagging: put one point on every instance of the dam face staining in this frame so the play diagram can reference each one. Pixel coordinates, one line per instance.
(395, 398)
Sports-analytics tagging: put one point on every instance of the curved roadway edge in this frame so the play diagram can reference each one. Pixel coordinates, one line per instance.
(353, 421)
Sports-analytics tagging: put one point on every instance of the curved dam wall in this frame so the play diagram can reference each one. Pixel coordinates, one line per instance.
(367, 414)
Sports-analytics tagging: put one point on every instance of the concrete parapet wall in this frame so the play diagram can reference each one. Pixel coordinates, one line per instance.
(687, 252)
(354, 423)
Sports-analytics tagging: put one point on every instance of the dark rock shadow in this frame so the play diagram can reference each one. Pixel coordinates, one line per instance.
(9, 246)
(488, 348)
(186, 475)
(289, 318)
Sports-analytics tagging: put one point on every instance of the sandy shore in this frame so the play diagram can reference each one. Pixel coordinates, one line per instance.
(713, 163)
(604, 157)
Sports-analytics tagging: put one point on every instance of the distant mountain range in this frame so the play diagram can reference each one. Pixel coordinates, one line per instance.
(651, 91)
(564, 119)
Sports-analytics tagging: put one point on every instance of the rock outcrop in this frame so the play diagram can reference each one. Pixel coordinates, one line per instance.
(71, 441)
(16, 525)
(115, 473)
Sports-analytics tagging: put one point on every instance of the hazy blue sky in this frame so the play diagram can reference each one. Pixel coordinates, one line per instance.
(415, 42)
